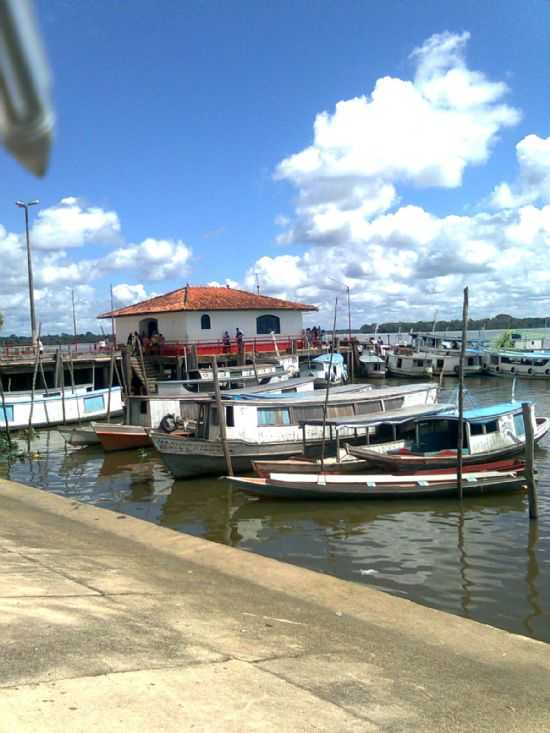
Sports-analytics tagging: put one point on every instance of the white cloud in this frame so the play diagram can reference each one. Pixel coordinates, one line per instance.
(125, 294)
(533, 182)
(423, 132)
(69, 224)
(157, 259)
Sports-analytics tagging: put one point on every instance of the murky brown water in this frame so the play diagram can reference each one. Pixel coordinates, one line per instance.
(487, 562)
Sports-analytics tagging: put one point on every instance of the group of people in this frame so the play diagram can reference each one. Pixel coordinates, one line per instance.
(314, 335)
(149, 345)
(226, 341)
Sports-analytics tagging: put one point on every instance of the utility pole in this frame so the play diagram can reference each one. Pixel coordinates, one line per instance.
(74, 313)
(112, 319)
(257, 283)
(34, 330)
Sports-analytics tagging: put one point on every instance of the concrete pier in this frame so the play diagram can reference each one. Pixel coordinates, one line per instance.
(113, 624)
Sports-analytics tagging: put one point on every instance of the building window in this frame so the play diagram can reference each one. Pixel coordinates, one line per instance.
(205, 322)
(268, 324)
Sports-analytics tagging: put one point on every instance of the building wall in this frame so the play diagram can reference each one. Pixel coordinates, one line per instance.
(187, 326)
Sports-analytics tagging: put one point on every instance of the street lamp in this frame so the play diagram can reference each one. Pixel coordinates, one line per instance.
(25, 206)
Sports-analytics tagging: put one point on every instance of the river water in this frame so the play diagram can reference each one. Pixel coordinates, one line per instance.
(483, 560)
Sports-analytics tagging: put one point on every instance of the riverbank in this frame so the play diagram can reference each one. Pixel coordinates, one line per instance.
(112, 623)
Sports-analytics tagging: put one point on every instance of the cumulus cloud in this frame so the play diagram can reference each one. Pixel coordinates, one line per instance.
(420, 132)
(69, 224)
(126, 294)
(533, 181)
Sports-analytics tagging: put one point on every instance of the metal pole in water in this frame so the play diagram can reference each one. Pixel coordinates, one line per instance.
(461, 397)
(325, 405)
(8, 436)
(221, 417)
(527, 409)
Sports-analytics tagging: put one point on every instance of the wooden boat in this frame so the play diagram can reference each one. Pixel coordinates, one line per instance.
(59, 406)
(490, 434)
(121, 437)
(372, 366)
(523, 364)
(349, 464)
(270, 427)
(78, 435)
(334, 486)
(410, 365)
(326, 369)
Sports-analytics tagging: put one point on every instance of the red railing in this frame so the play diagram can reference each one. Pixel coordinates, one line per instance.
(285, 345)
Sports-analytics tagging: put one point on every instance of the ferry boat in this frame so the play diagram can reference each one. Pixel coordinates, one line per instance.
(490, 434)
(271, 427)
(524, 364)
(401, 364)
(58, 406)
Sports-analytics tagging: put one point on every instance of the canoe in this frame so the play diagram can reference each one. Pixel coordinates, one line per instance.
(334, 486)
(350, 464)
(78, 436)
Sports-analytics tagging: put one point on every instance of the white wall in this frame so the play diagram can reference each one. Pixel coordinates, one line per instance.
(186, 326)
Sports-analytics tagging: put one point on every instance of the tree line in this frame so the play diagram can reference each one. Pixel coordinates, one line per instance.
(500, 321)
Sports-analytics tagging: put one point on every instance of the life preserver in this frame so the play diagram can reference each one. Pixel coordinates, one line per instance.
(168, 424)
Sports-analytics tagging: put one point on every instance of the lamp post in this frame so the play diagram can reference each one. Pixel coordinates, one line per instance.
(25, 206)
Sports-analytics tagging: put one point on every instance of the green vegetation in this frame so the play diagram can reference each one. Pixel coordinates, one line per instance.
(501, 321)
(63, 338)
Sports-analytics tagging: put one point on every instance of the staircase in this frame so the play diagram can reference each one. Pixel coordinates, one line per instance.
(152, 372)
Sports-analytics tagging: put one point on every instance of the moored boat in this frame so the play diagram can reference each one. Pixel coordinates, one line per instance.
(373, 486)
(266, 427)
(417, 366)
(78, 435)
(490, 434)
(121, 437)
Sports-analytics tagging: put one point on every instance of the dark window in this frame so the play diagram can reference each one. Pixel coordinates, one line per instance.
(307, 413)
(205, 322)
(491, 427)
(267, 324)
(476, 428)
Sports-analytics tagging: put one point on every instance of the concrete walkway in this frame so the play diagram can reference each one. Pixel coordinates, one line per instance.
(112, 624)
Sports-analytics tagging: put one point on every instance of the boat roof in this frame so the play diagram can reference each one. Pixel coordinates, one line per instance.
(347, 392)
(371, 359)
(266, 389)
(326, 358)
(391, 417)
(485, 414)
(521, 353)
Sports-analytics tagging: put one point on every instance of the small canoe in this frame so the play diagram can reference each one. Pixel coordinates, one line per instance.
(334, 486)
(350, 464)
(77, 435)
(122, 437)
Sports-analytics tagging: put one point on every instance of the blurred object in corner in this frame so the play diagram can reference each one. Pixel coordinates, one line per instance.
(26, 111)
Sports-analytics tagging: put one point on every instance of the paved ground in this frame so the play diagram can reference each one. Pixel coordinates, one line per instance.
(112, 624)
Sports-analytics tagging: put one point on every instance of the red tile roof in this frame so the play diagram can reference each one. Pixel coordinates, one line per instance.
(199, 298)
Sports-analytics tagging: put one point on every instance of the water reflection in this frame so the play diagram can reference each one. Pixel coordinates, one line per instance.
(483, 560)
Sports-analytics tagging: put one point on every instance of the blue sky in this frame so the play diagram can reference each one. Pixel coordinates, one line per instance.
(174, 118)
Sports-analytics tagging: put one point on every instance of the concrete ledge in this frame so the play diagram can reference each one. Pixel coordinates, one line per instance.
(106, 595)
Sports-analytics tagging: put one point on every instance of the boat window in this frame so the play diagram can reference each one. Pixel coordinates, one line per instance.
(205, 322)
(368, 408)
(494, 359)
(437, 435)
(491, 427)
(394, 403)
(476, 428)
(270, 417)
(440, 363)
(268, 324)
(339, 410)
(519, 425)
(213, 416)
(399, 363)
(307, 413)
(230, 416)
(540, 362)
(94, 404)
(470, 361)
(143, 407)
(6, 412)
(418, 362)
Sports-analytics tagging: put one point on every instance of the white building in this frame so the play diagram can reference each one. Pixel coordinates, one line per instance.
(196, 314)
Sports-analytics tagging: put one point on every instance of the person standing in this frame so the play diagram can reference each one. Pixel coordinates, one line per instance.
(239, 338)
(226, 341)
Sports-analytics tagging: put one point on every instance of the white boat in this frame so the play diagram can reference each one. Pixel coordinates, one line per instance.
(448, 363)
(523, 364)
(78, 435)
(59, 406)
(270, 427)
(410, 365)
(372, 366)
(327, 369)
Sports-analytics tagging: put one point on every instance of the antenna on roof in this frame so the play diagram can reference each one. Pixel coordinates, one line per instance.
(257, 283)
(186, 294)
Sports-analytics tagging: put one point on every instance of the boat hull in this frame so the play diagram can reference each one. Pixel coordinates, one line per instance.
(122, 437)
(78, 436)
(281, 486)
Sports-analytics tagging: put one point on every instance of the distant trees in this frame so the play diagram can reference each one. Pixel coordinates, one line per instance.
(500, 321)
